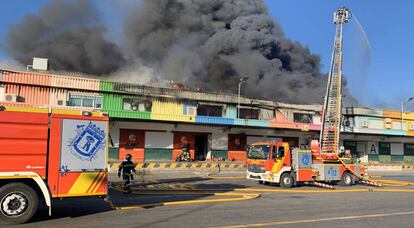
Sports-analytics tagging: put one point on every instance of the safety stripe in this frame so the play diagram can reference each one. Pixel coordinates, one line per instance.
(93, 182)
(17, 177)
(82, 183)
(98, 183)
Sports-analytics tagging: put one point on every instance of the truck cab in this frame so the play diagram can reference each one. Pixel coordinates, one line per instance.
(270, 162)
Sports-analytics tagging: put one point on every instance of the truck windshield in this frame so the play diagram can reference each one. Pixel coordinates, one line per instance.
(259, 152)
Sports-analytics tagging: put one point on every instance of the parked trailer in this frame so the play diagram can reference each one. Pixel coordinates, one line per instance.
(49, 153)
(274, 162)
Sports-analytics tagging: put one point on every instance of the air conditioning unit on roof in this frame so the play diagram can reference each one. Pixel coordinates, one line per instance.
(10, 97)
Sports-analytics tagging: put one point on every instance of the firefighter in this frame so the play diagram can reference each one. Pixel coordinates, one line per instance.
(126, 167)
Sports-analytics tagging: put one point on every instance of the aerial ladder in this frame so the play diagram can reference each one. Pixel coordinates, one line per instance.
(328, 145)
(327, 149)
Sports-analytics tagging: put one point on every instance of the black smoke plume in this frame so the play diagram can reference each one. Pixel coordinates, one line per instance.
(69, 34)
(207, 43)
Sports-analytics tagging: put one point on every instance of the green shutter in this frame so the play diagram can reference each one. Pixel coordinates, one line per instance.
(157, 154)
(219, 153)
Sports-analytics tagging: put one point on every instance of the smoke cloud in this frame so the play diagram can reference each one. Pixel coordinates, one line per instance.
(211, 44)
(69, 34)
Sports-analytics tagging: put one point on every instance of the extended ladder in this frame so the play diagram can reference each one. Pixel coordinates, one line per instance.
(331, 116)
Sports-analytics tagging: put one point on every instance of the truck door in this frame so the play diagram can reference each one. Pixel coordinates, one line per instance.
(83, 158)
(278, 156)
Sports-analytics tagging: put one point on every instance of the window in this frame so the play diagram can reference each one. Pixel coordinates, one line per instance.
(249, 113)
(138, 105)
(258, 152)
(302, 118)
(352, 146)
(409, 149)
(278, 152)
(80, 100)
(384, 148)
(210, 110)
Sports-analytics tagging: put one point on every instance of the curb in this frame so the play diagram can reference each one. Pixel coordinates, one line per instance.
(183, 165)
(390, 167)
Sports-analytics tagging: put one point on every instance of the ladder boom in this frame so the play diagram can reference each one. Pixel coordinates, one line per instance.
(331, 115)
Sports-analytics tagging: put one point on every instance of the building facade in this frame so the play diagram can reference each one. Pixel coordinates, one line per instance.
(157, 123)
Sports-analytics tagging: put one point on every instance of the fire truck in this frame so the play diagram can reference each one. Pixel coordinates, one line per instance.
(275, 162)
(49, 153)
(325, 161)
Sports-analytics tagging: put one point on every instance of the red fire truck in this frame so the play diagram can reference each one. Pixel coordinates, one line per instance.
(49, 153)
(325, 162)
(274, 162)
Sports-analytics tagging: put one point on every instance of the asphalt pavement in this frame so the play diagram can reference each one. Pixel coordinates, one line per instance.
(272, 209)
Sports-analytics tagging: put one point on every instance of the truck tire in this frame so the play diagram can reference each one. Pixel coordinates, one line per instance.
(18, 203)
(346, 179)
(286, 180)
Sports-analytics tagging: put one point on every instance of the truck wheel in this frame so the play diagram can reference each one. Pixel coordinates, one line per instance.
(286, 181)
(18, 203)
(346, 179)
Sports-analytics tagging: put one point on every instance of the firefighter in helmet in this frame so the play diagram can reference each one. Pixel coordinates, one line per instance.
(126, 168)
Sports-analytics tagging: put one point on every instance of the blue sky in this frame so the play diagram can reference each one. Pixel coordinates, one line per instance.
(381, 77)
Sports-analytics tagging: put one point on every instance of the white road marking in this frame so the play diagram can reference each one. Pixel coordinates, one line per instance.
(317, 220)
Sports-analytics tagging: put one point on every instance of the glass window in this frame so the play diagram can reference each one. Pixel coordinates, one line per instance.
(137, 105)
(73, 101)
(87, 102)
(98, 102)
(210, 110)
(384, 148)
(409, 149)
(127, 105)
(302, 118)
(249, 113)
(259, 152)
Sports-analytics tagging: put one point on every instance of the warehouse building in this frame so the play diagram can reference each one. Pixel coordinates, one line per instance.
(156, 123)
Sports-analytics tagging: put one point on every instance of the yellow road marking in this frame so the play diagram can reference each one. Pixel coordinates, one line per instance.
(393, 190)
(288, 222)
(223, 177)
(151, 165)
(243, 197)
(162, 165)
(394, 182)
(173, 165)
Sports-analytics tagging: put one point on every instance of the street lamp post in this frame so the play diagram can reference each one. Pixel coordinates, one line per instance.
(241, 81)
(402, 110)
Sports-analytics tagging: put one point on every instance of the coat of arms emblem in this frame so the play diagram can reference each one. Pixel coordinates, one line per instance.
(88, 141)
